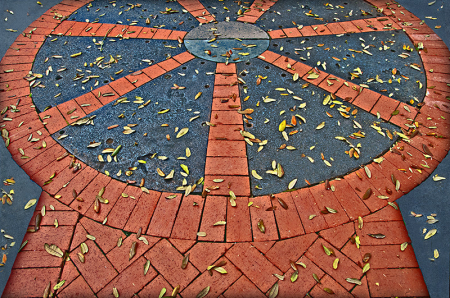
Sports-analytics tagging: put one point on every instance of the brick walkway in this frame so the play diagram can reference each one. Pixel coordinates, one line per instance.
(338, 236)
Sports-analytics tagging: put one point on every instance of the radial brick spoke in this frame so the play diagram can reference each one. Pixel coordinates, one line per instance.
(73, 110)
(256, 10)
(195, 8)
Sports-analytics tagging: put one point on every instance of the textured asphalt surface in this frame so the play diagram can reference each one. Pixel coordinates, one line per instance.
(430, 197)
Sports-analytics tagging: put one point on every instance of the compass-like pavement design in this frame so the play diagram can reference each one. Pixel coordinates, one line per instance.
(260, 153)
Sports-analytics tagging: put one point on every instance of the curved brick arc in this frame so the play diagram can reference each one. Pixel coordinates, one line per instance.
(148, 211)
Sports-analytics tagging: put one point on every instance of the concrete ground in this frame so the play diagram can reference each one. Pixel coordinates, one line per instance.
(176, 216)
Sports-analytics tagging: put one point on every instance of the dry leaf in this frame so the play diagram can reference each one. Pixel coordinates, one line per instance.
(54, 250)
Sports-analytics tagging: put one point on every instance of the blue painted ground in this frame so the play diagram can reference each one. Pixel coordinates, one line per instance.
(321, 50)
(154, 145)
(126, 12)
(126, 55)
(309, 141)
(284, 13)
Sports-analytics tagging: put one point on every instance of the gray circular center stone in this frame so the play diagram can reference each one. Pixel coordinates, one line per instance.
(227, 41)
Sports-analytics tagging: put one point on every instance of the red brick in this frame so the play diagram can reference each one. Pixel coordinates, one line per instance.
(366, 100)
(142, 213)
(407, 180)
(103, 30)
(113, 192)
(53, 168)
(121, 212)
(274, 34)
(89, 193)
(91, 29)
(349, 91)
(55, 122)
(331, 84)
(65, 218)
(381, 182)
(283, 62)
(226, 104)
(289, 250)
(32, 153)
(390, 256)
(353, 253)
(226, 117)
(122, 86)
(130, 281)
(138, 78)
(225, 132)
(325, 198)
(45, 156)
(182, 245)
(308, 31)
(20, 92)
(30, 282)
(385, 106)
(11, 76)
(263, 246)
(88, 98)
(386, 214)
(77, 288)
(105, 90)
(204, 254)
(269, 56)
(351, 203)
(218, 148)
(162, 34)
(188, 218)
(147, 33)
(218, 283)
(67, 108)
(322, 29)
(174, 35)
(183, 57)
(335, 28)
(361, 291)
(414, 178)
(225, 91)
(47, 234)
(62, 177)
(346, 267)
(292, 32)
(390, 282)
(132, 32)
(258, 212)
(76, 29)
(338, 236)
(96, 269)
(248, 19)
(330, 283)
(252, 263)
(36, 259)
(154, 71)
(46, 200)
(11, 85)
(238, 222)
(153, 289)
(305, 282)
(79, 236)
(240, 185)
(118, 31)
(69, 274)
(317, 81)
(63, 27)
(288, 220)
(224, 80)
(105, 237)
(306, 206)
(78, 183)
(243, 288)
(361, 186)
(226, 166)
(119, 256)
(169, 64)
(26, 130)
(395, 232)
(167, 260)
(164, 216)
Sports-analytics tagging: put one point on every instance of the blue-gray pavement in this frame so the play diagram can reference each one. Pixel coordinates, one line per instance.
(147, 148)
(304, 160)
(431, 197)
(13, 218)
(343, 55)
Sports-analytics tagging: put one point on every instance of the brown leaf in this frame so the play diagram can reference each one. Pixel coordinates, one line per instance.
(175, 291)
(261, 226)
(81, 257)
(203, 292)
(316, 278)
(37, 223)
(367, 194)
(97, 205)
(426, 150)
(53, 250)
(367, 257)
(139, 233)
(377, 236)
(328, 290)
(274, 291)
(47, 290)
(132, 250)
(282, 203)
(185, 261)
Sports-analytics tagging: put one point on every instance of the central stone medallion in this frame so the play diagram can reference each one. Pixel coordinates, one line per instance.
(227, 41)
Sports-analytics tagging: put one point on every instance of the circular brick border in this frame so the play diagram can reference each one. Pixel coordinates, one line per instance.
(404, 162)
